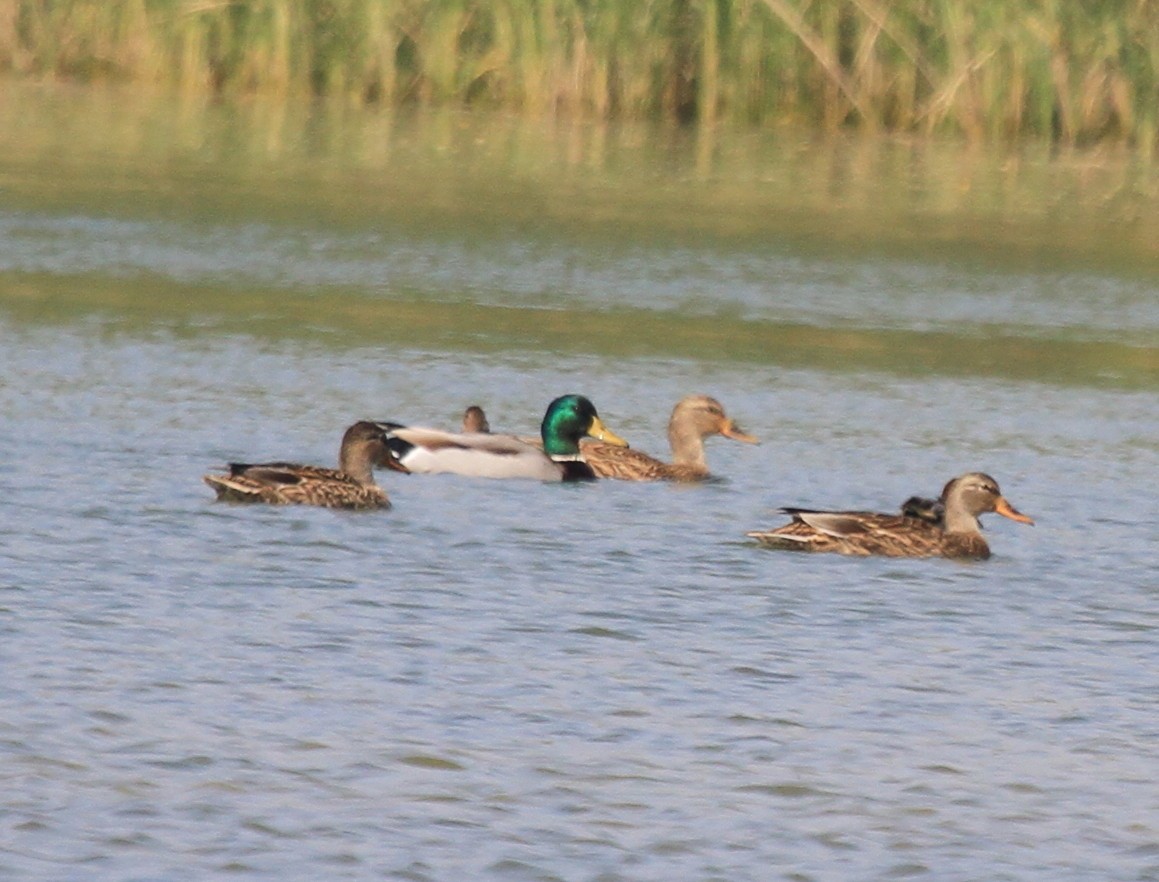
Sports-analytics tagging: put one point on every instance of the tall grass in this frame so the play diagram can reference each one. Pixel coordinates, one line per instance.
(1073, 70)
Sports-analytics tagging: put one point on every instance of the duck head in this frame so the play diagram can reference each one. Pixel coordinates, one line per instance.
(569, 418)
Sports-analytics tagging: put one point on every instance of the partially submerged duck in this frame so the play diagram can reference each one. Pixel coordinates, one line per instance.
(483, 455)
(957, 534)
(694, 418)
(351, 485)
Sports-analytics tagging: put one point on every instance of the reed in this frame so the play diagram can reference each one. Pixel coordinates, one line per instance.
(1072, 71)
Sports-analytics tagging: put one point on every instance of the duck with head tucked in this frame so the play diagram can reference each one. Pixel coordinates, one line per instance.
(351, 485)
(484, 455)
(694, 418)
(932, 510)
(948, 527)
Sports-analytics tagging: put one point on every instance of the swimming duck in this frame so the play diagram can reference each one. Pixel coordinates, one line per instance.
(483, 455)
(475, 420)
(932, 510)
(351, 485)
(958, 533)
(694, 418)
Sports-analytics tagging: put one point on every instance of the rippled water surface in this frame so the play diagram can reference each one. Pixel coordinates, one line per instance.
(508, 680)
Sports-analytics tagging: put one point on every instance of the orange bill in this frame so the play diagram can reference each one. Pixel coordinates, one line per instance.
(1007, 510)
(736, 433)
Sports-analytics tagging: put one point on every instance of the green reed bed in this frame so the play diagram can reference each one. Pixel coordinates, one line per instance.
(1072, 70)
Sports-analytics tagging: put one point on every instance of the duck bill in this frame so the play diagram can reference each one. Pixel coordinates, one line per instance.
(736, 433)
(601, 432)
(387, 461)
(1007, 510)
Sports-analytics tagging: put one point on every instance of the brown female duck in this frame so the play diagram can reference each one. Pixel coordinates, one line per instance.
(947, 528)
(694, 418)
(351, 485)
(475, 420)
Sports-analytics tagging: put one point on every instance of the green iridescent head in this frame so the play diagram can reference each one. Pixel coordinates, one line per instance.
(569, 418)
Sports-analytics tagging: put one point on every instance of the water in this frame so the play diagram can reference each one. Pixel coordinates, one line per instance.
(507, 680)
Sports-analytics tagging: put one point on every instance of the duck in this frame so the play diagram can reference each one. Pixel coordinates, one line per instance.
(924, 508)
(694, 418)
(475, 420)
(350, 486)
(486, 455)
(948, 527)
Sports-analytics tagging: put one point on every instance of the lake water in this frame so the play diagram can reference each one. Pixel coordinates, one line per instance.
(516, 681)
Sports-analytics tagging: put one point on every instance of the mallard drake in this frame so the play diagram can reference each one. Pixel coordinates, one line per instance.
(475, 420)
(694, 418)
(919, 534)
(351, 485)
(483, 455)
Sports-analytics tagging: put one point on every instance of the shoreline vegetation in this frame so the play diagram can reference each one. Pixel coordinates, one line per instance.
(1073, 72)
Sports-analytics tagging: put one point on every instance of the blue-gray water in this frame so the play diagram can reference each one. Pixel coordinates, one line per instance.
(513, 681)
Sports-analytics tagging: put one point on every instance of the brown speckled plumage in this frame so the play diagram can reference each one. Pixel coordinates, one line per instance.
(693, 419)
(914, 533)
(351, 485)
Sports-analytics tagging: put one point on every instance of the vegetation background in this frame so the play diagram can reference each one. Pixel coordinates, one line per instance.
(1074, 71)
